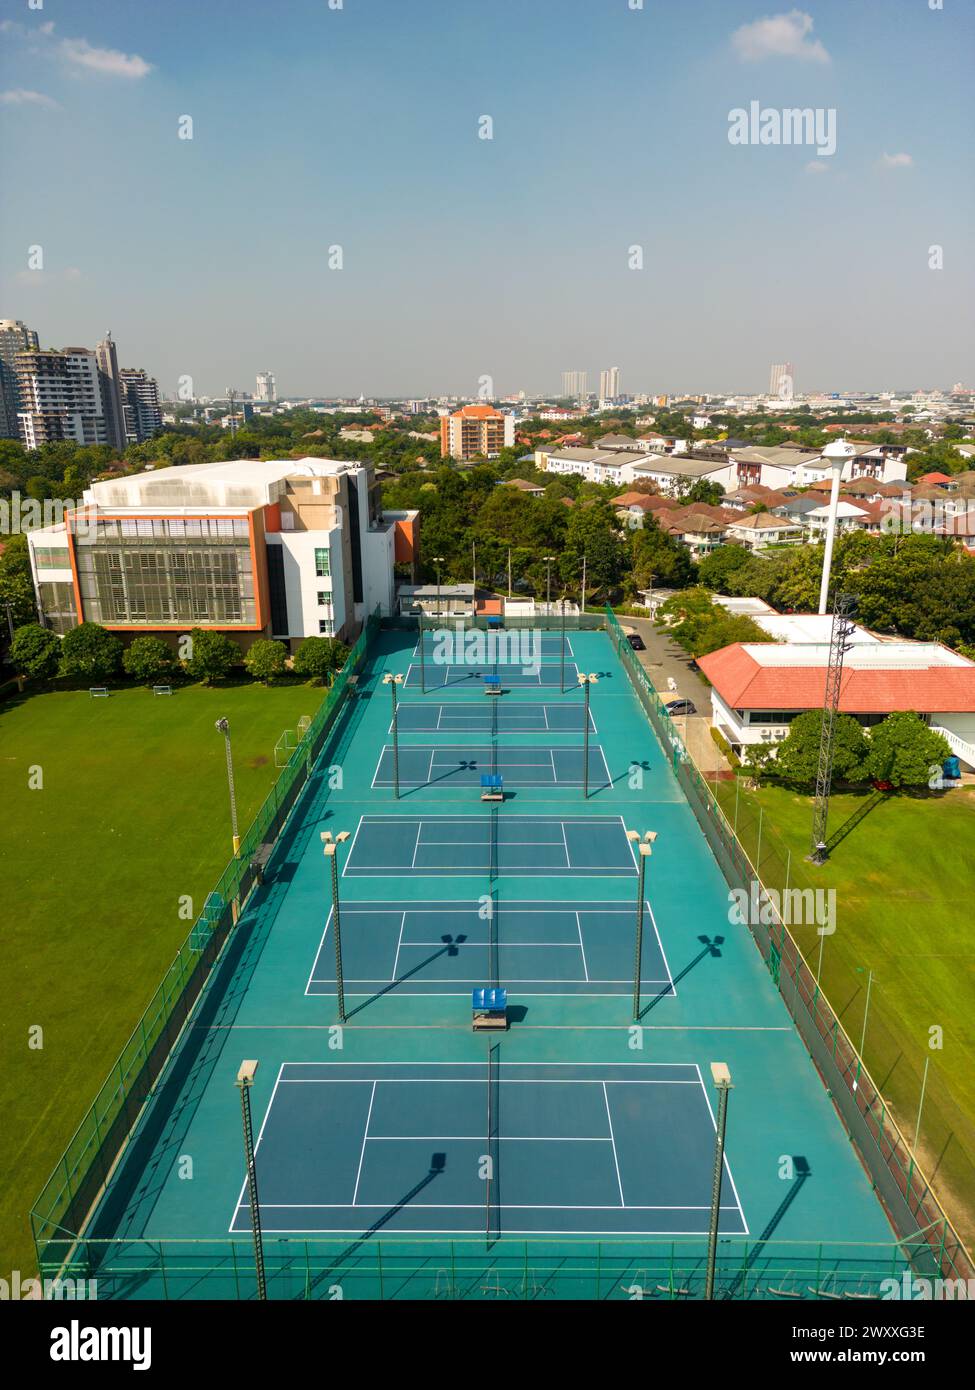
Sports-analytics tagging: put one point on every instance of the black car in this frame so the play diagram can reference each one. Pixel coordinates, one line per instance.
(680, 707)
(636, 641)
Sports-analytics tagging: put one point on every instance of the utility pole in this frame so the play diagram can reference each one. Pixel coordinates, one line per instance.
(843, 627)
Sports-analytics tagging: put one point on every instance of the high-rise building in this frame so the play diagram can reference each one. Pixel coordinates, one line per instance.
(14, 337)
(782, 381)
(140, 403)
(110, 386)
(266, 389)
(60, 397)
(476, 430)
(609, 384)
(575, 385)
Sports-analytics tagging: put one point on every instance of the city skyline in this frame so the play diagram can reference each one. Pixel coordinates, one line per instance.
(307, 230)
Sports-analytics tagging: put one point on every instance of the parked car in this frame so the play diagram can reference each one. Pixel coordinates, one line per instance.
(680, 707)
(636, 641)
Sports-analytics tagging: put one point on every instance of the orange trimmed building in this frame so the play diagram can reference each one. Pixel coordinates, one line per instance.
(476, 431)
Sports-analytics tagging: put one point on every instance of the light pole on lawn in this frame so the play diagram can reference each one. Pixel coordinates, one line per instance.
(393, 681)
(331, 844)
(223, 727)
(721, 1077)
(586, 681)
(245, 1080)
(644, 845)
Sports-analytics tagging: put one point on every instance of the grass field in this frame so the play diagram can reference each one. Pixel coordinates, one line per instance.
(132, 815)
(904, 876)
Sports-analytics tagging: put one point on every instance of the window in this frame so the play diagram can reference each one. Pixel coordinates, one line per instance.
(324, 599)
(52, 559)
(322, 566)
(325, 626)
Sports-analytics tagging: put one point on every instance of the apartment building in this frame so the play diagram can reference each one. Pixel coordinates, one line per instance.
(476, 431)
(60, 397)
(256, 548)
(15, 337)
(140, 404)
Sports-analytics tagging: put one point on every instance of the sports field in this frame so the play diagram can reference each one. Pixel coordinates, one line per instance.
(129, 812)
(403, 1148)
(903, 873)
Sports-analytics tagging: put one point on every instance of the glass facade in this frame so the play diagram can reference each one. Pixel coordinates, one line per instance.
(57, 606)
(167, 571)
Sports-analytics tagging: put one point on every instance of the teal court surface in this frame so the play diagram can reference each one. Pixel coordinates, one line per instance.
(400, 1148)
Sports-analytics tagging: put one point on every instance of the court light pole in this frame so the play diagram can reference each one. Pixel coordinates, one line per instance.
(721, 1077)
(331, 844)
(393, 681)
(423, 659)
(644, 845)
(438, 561)
(562, 650)
(245, 1080)
(549, 560)
(223, 727)
(586, 682)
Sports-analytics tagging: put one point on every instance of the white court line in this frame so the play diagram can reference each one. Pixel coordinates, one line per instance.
(616, 1161)
(582, 948)
(419, 831)
(479, 1138)
(463, 1080)
(365, 1136)
(568, 856)
(399, 943)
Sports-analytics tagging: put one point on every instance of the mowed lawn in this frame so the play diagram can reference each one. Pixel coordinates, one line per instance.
(133, 813)
(904, 876)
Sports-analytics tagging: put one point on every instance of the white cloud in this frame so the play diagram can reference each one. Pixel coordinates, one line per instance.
(19, 96)
(897, 161)
(816, 166)
(779, 36)
(108, 61)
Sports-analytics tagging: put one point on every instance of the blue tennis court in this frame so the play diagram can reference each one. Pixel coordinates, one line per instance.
(510, 647)
(491, 843)
(512, 677)
(485, 716)
(516, 1148)
(439, 948)
(444, 766)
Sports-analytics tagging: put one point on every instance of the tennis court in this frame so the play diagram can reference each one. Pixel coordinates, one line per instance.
(532, 947)
(487, 716)
(446, 766)
(512, 677)
(391, 846)
(518, 648)
(504, 1148)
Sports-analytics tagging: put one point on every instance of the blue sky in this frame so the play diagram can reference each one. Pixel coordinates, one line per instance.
(465, 257)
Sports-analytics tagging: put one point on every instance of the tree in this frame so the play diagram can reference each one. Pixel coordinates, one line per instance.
(35, 652)
(212, 654)
(700, 625)
(265, 659)
(904, 751)
(16, 585)
(715, 570)
(797, 761)
(317, 656)
(149, 659)
(90, 651)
